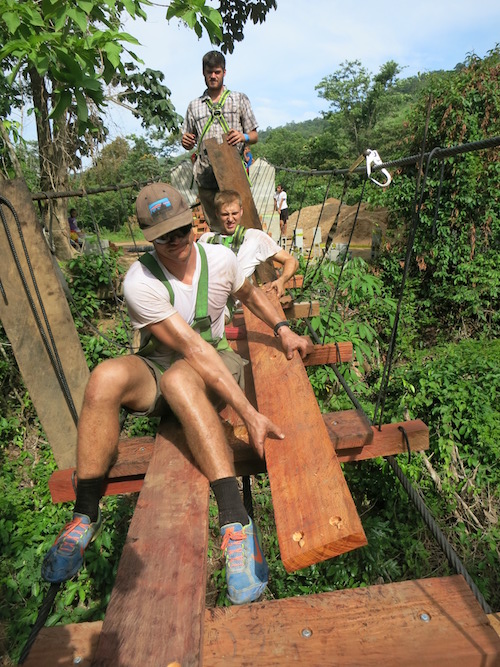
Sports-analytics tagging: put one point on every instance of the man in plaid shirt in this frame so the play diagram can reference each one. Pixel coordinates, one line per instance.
(218, 111)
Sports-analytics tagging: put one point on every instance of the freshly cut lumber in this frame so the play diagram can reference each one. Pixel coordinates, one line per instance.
(315, 514)
(295, 281)
(127, 474)
(331, 353)
(348, 429)
(388, 440)
(317, 355)
(296, 310)
(428, 622)
(374, 626)
(155, 614)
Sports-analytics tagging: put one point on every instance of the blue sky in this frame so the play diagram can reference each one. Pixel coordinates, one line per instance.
(279, 62)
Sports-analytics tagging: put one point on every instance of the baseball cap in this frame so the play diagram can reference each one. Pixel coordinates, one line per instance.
(160, 208)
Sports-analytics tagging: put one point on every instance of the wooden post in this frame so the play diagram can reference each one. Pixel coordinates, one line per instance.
(39, 321)
(231, 175)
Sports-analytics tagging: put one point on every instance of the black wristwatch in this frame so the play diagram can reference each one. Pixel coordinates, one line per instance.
(284, 323)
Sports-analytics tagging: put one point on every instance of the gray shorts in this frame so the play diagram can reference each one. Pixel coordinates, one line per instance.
(232, 360)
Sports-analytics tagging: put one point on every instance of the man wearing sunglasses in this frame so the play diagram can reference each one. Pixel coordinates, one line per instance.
(176, 297)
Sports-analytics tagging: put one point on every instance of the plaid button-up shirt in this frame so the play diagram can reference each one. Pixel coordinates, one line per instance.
(239, 116)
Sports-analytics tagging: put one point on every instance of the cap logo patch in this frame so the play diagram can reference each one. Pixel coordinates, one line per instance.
(157, 208)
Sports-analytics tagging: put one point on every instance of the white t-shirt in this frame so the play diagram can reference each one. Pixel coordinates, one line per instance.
(281, 202)
(257, 246)
(148, 300)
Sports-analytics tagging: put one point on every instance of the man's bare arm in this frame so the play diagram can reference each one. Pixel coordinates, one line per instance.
(205, 360)
(290, 265)
(259, 304)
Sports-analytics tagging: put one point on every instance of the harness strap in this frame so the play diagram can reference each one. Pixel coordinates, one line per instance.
(215, 113)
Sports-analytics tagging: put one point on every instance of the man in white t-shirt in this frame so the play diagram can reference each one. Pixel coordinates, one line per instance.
(251, 246)
(282, 208)
(176, 297)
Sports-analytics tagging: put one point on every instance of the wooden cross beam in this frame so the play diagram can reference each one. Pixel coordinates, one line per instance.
(432, 622)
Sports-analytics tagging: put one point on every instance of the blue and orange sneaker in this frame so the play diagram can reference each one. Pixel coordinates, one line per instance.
(65, 556)
(246, 568)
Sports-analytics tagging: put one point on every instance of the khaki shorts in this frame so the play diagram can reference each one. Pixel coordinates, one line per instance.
(233, 362)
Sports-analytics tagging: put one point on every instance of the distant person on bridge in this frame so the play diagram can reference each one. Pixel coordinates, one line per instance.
(218, 111)
(251, 246)
(176, 296)
(282, 208)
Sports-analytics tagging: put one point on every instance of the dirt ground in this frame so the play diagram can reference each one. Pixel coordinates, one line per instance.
(366, 223)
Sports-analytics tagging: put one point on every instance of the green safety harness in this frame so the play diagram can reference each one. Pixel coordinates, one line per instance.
(233, 242)
(202, 322)
(215, 114)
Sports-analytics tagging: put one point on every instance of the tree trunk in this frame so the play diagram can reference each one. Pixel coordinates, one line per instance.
(53, 167)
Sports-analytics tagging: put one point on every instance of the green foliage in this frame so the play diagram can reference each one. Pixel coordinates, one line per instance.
(29, 523)
(360, 99)
(353, 307)
(93, 280)
(457, 239)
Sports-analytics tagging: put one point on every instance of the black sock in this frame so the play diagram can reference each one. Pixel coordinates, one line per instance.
(88, 495)
(229, 501)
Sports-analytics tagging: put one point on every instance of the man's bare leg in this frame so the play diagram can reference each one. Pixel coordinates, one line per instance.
(186, 394)
(246, 568)
(115, 382)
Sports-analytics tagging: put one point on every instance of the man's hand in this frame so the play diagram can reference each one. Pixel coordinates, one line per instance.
(278, 285)
(290, 342)
(259, 428)
(234, 137)
(188, 141)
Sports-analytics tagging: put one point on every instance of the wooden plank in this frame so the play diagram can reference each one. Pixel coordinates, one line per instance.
(387, 441)
(21, 326)
(317, 354)
(295, 281)
(65, 645)
(331, 353)
(295, 311)
(127, 474)
(494, 620)
(231, 175)
(378, 625)
(315, 514)
(348, 429)
(155, 614)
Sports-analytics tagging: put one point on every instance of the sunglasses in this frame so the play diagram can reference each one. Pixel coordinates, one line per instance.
(175, 234)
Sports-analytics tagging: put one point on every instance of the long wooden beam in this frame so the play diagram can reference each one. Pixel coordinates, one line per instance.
(155, 614)
(134, 454)
(315, 514)
(49, 376)
(431, 622)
